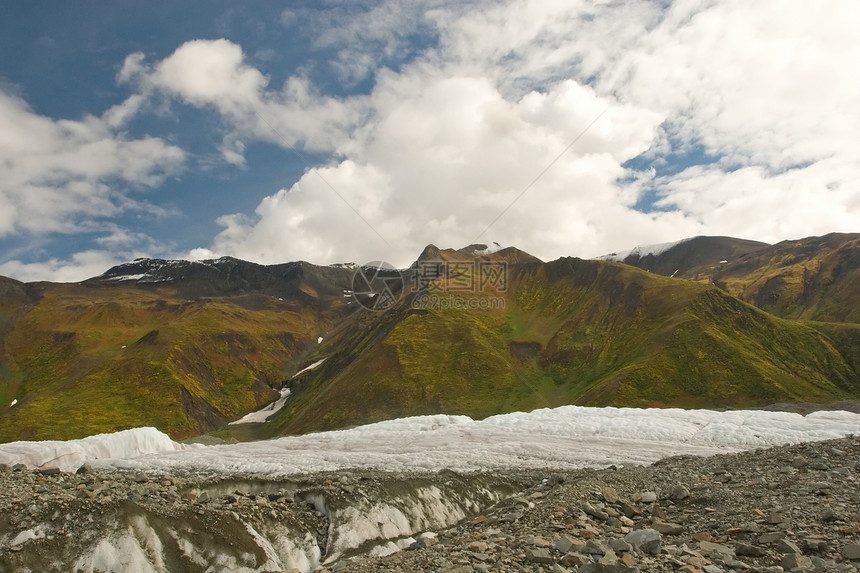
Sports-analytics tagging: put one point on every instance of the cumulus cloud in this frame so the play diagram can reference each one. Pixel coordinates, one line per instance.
(452, 138)
(78, 267)
(68, 175)
(366, 38)
(455, 127)
(213, 74)
(763, 89)
(441, 163)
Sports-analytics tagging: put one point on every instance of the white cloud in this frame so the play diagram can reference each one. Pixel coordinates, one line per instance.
(67, 175)
(367, 38)
(756, 83)
(449, 137)
(78, 267)
(768, 207)
(214, 74)
(449, 140)
(444, 156)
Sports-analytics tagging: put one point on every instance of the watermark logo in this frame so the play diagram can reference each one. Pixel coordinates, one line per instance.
(443, 301)
(376, 286)
(437, 285)
(460, 276)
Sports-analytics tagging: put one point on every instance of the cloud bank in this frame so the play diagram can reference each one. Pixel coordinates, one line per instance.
(657, 121)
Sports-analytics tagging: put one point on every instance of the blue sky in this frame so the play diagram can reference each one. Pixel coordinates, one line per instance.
(347, 131)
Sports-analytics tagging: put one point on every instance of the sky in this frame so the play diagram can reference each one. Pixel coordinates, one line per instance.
(344, 131)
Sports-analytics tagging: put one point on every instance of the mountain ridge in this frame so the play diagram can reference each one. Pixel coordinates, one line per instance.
(188, 346)
(577, 345)
(810, 278)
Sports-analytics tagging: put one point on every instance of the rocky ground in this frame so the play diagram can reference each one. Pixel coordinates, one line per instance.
(793, 508)
(784, 509)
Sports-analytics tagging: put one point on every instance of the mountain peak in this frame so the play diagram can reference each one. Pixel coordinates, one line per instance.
(691, 257)
(430, 253)
(493, 251)
(480, 249)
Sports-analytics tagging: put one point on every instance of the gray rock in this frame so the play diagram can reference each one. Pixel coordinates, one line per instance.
(668, 528)
(771, 537)
(750, 527)
(628, 509)
(851, 551)
(609, 557)
(815, 544)
(594, 547)
(619, 545)
(794, 561)
(679, 492)
(787, 546)
(594, 512)
(574, 560)
(647, 540)
(710, 549)
(566, 544)
(539, 555)
(649, 497)
(747, 550)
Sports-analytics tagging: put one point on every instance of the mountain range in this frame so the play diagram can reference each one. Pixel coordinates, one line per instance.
(187, 346)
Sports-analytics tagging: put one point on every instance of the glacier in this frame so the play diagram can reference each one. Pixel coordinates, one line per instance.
(567, 437)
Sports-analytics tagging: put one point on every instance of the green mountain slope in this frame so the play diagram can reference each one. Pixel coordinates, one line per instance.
(187, 347)
(104, 356)
(571, 331)
(811, 279)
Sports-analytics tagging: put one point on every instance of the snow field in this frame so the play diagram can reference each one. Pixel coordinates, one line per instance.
(566, 437)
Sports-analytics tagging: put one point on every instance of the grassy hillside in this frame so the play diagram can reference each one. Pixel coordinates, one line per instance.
(85, 360)
(571, 331)
(188, 347)
(811, 279)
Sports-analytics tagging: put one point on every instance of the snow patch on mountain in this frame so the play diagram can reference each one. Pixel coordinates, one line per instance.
(311, 367)
(487, 250)
(642, 251)
(119, 278)
(263, 414)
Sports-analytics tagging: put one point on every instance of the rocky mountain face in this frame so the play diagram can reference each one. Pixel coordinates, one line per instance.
(189, 346)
